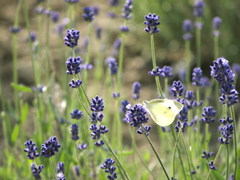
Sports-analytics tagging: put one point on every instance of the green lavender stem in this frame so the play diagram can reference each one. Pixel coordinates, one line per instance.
(232, 114)
(120, 64)
(198, 43)
(47, 55)
(209, 172)
(188, 60)
(154, 66)
(155, 152)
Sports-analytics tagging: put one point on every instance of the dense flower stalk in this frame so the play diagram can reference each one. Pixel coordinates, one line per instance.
(127, 9)
(152, 21)
(109, 168)
(36, 171)
(136, 89)
(50, 147)
(71, 38)
(74, 132)
(89, 14)
(76, 114)
(31, 149)
(187, 28)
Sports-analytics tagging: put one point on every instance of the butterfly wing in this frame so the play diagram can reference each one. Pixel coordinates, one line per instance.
(163, 111)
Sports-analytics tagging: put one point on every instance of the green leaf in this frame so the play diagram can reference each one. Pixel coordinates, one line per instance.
(217, 175)
(24, 113)
(21, 87)
(15, 133)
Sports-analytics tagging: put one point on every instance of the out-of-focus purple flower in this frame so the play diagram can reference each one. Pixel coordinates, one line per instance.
(198, 25)
(72, 37)
(76, 114)
(123, 107)
(75, 84)
(50, 147)
(54, 16)
(86, 66)
(99, 33)
(124, 28)
(32, 37)
(116, 46)
(14, 29)
(95, 10)
(198, 8)
(112, 15)
(152, 21)
(82, 146)
(71, 1)
(187, 28)
(73, 65)
(217, 21)
(136, 89)
(127, 9)
(39, 10)
(206, 82)
(136, 115)
(197, 77)
(112, 64)
(31, 149)
(166, 71)
(177, 88)
(236, 69)
(74, 132)
(113, 2)
(89, 14)
(116, 95)
(77, 170)
(39, 88)
(36, 171)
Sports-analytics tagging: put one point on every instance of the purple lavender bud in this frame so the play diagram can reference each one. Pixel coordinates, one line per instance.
(189, 95)
(217, 21)
(127, 9)
(50, 147)
(97, 104)
(89, 14)
(152, 21)
(112, 64)
(166, 71)
(113, 2)
(36, 171)
(208, 115)
(76, 114)
(206, 82)
(116, 95)
(187, 25)
(211, 165)
(86, 66)
(99, 143)
(82, 146)
(155, 72)
(124, 29)
(198, 8)
(109, 168)
(72, 37)
(74, 132)
(71, 1)
(123, 107)
(146, 130)
(177, 88)
(180, 126)
(96, 116)
(75, 84)
(73, 65)
(54, 16)
(187, 36)
(32, 37)
(31, 149)
(197, 77)
(99, 32)
(136, 88)
(60, 167)
(207, 155)
(77, 170)
(14, 29)
(136, 115)
(97, 131)
(183, 114)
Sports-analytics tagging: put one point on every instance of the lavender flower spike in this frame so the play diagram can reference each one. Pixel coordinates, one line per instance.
(152, 21)
(72, 37)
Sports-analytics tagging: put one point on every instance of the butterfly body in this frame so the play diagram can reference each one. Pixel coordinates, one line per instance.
(163, 111)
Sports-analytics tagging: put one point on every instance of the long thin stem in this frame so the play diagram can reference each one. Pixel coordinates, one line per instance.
(198, 43)
(155, 65)
(188, 62)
